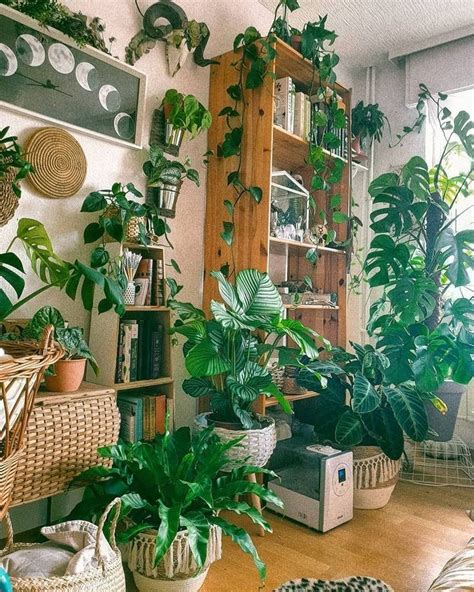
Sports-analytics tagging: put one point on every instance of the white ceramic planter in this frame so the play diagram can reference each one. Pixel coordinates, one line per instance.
(257, 445)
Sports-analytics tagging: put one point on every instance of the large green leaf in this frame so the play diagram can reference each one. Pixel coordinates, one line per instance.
(205, 359)
(385, 259)
(463, 127)
(382, 425)
(364, 396)
(379, 184)
(228, 292)
(456, 253)
(198, 535)
(435, 355)
(10, 269)
(409, 410)
(416, 177)
(413, 297)
(198, 387)
(462, 311)
(45, 263)
(257, 293)
(168, 529)
(303, 336)
(396, 212)
(349, 429)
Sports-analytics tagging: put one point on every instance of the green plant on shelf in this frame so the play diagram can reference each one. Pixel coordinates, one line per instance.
(368, 123)
(173, 484)
(228, 355)
(185, 112)
(421, 263)
(161, 170)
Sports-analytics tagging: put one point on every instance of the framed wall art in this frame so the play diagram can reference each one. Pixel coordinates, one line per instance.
(45, 74)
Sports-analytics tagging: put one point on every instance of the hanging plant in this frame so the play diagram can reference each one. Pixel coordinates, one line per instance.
(12, 161)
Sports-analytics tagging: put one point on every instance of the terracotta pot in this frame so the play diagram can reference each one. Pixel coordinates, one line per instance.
(68, 376)
(295, 42)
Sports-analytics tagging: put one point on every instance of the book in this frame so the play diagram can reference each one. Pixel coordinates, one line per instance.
(133, 351)
(145, 270)
(127, 352)
(157, 290)
(160, 414)
(146, 418)
(128, 413)
(300, 115)
(131, 406)
(156, 351)
(152, 412)
(118, 364)
(285, 103)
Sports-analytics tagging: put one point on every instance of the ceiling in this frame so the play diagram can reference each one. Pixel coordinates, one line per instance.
(368, 29)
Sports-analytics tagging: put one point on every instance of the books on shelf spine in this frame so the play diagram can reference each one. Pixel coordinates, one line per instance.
(139, 350)
(142, 416)
(157, 290)
(156, 351)
(145, 270)
(160, 413)
(300, 108)
(285, 103)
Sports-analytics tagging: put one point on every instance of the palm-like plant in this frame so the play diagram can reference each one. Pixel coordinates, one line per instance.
(227, 356)
(173, 484)
(417, 256)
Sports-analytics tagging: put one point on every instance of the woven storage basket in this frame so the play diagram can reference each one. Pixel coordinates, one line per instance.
(278, 375)
(255, 448)
(8, 200)
(132, 232)
(375, 477)
(20, 378)
(107, 577)
(178, 563)
(62, 441)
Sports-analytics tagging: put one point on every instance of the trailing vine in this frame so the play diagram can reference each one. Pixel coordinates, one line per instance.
(253, 65)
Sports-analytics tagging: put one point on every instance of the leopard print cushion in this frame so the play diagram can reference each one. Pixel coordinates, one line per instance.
(354, 584)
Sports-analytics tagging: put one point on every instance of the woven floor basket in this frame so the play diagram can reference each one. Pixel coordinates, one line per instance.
(20, 378)
(52, 457)
(256, 447)
(178, 563)
(107, 577)
(375, 477)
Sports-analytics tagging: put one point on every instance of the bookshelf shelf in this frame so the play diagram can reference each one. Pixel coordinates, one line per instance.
(147, 309)
(136, 384)
(274, 242)
(310, 307)
(272, 402)
(290, 151)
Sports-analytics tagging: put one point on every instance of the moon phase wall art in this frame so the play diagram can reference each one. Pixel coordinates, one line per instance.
(44, 73)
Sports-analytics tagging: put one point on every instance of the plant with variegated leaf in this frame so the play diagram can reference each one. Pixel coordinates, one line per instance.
(172, 484)
(228, 355)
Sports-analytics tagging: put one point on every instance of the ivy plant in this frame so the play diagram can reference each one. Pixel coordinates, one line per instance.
(420, 262)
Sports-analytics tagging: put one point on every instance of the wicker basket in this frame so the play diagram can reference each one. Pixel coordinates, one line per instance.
(132, 231)
(20, 378)
(107, 577)
(8, 200)
(375, 477)
(255, 448)
(278, 375)
(62, 441)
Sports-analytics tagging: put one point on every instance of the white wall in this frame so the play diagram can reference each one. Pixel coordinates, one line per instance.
(108, 163)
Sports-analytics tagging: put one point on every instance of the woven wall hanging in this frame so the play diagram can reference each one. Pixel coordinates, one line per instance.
(59, 162)
(8, 200)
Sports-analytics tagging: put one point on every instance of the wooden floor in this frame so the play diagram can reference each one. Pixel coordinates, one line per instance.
(406, 544)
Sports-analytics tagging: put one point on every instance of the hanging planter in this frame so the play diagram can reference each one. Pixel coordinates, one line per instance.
(375, 477)
(8, 199)
(165, 198)
(178, 571)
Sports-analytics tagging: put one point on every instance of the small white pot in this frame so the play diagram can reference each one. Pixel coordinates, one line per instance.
(257, 445)
(192, 584)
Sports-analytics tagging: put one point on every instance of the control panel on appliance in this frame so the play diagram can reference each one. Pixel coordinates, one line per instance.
(340, 479)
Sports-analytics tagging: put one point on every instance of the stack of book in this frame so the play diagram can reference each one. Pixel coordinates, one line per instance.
(152, 269)
(142, 416)
(139, 350)
(285, 92)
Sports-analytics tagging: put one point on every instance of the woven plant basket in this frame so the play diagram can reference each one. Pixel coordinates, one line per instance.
(132, 232)
(278, 376)
(108, 576)
(177, 566)
(8, 199)
(375, 477)
(20, 378)
(255, 448)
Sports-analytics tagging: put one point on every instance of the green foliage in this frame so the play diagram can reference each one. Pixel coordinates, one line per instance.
(51, 13)
(11, 156)
(227, 356)
(186, 112)
(368, 122)
(161, 170)
(172, 484)
(359, 405)
(416, 256)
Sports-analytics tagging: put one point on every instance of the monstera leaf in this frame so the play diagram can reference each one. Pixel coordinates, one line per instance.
(463, 127)
(435, 355)
(385, 258)
(415, 176)
(11, 271)
(456, 254)
(396, 212)
(379, 184)
(413, 298)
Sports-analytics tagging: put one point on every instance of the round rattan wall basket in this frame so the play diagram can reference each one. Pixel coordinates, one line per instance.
(59, 163)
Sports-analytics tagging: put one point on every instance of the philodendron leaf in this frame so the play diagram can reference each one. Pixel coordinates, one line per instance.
(463, 127)
(227, 234)
(349, 429)
(409, 410)
(198, 527)
(364, 396)
(416, 177)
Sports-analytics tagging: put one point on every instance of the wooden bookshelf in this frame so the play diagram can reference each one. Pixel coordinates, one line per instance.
(267, 148)
(104, 336)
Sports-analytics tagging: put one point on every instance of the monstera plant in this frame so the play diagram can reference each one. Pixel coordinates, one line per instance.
(420, 261)
(227, 355)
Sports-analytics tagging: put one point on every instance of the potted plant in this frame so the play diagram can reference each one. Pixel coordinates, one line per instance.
(183, 113)
(368, 123)
(165, 177)
(421, 263)
(359, 408)
(67, 373)
(173, 492)
(228, 356)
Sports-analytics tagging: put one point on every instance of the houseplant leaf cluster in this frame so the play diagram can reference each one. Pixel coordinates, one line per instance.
(173, 484)
(421, 263)
(227, 356)
(368, 123)
(162, 170)
(358, 404)
(186, 112)
(11, 156)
